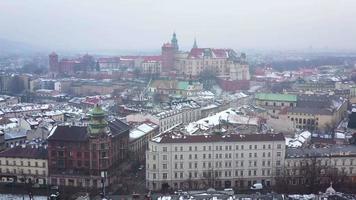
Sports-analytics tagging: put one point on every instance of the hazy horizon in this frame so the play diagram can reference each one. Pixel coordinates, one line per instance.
(145, 25)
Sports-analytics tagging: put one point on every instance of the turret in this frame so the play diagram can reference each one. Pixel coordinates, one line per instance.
(98, 123)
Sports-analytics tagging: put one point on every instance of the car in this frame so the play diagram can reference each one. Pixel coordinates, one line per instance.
(257, 186)
(229, 191)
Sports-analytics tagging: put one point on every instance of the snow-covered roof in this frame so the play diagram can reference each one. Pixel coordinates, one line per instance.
(228, 115)
(142, 130)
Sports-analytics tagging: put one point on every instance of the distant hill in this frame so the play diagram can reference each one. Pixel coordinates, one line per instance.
(13, 47)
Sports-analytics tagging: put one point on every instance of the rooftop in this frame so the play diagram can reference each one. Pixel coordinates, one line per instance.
(276, 97)
(334, 151)
(170, 138)
(32, 152)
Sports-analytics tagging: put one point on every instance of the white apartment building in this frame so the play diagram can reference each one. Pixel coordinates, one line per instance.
(218, 161)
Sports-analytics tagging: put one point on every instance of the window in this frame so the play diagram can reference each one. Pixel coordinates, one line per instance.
(279, 146)
(164, 157)
(164, 166)
(279, 154)
(164, 149)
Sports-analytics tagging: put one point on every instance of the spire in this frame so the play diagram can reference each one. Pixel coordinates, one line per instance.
(195, 44)
(174, 41)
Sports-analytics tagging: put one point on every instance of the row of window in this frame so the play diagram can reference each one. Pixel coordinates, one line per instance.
(226, 148)
(335, 162)
(215, 174)
(21, 163)
(227, 164)
(219, 156)
(21, 171)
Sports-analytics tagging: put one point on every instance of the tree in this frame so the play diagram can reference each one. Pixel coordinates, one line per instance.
(208, 78)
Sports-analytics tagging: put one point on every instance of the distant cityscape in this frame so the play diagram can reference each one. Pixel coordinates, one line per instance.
(206, 123)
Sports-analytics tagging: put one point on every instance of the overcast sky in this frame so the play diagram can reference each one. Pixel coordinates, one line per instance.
(146, 24)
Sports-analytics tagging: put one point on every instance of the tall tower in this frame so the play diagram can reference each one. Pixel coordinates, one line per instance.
(195, 44)
(98, 123)
(174, 42)
(53, 62)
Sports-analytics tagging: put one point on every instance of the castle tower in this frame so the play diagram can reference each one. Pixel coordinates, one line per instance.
(195, 44)
(174, 42)
(53, 62)
(98, 123)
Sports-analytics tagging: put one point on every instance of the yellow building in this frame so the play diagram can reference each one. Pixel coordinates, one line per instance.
(24, 164)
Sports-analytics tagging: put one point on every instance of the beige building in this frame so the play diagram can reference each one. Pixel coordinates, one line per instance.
(309, 112)
(222, 62)
(317, 112)
(340, 159)
(218, 161)
(151, 66)
(24, 164)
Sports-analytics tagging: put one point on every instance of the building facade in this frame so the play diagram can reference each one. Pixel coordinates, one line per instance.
(218, 161)
(335, 161)
(24, 164)
(79, 154)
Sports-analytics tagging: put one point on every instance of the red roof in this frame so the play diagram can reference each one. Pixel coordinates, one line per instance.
(92, 100)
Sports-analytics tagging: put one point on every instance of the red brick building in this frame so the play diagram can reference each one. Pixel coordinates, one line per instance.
(79, 154)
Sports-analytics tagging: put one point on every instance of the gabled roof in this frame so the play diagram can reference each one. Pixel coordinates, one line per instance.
(118, 127)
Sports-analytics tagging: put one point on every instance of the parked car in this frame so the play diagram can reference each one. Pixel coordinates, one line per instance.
(229, 191)
(257, 186)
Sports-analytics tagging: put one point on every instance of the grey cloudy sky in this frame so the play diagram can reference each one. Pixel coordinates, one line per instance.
(146, 24)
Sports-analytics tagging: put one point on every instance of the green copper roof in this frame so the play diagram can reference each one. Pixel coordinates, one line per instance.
(97, 111)
(97, 123)
(276, 97)
(183, 85)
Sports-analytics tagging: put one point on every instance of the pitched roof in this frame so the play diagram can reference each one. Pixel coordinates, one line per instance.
(25, 152)
(276, 97)
(68, 133)
(210, 52)
(118, 127)
(168, 138)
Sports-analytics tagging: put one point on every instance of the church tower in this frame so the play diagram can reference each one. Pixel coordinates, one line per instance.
(174, 42)
(195, 44)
